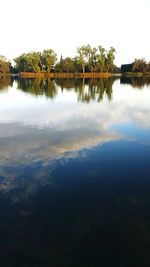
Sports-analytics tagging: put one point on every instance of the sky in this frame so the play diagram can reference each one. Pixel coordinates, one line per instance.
(64, 25)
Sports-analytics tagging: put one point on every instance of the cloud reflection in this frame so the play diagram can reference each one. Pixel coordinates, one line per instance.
(35, 136)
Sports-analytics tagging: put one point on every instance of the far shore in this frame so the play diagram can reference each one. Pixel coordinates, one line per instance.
(80, 75)
(66, 75)
(87, 75)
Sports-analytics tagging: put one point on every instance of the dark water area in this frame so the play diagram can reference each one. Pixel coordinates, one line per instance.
(74, 172)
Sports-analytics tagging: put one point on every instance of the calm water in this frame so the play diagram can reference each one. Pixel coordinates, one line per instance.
(75, 173)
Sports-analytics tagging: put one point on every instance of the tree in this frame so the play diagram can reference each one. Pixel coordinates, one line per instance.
(87, 59)
(33, 60)
(101, 59)
(92, 58)
(21, 63)
(77, 65)
(148, 67)
(36, 61)
(139, 65)
(83, 56)
(29, 62)
(96, 59)
(68, 65)
(59, 67)
(126, 67)
(110, 59)
(4, 65)
(49, 58)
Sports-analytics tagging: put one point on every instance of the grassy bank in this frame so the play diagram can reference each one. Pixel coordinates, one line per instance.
(65, 75)
(136, 74)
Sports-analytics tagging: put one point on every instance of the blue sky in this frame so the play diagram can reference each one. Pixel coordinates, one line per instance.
(64, 25)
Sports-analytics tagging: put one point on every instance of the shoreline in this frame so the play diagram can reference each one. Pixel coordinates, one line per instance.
(87, 75)
(65, 75)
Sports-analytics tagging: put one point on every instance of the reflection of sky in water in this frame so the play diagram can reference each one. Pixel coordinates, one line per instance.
(36, 130)
(128, 105)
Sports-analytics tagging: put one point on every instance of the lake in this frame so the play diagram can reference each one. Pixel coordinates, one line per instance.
(75, 172)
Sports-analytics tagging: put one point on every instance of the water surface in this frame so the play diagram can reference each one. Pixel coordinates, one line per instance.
(75, 172)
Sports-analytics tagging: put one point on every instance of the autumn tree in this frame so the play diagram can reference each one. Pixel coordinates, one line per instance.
(148, 67)
(139, 65)
(4, 65)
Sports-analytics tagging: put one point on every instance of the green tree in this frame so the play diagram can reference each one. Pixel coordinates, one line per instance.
(92, 58)
(21, 63)
(61, 63)
(77, 65)
(33, 60)
(110, 57)
(59, 67)
(29, 62)
(101, 59)
(83, 56)
(68, 65)
(49, 59)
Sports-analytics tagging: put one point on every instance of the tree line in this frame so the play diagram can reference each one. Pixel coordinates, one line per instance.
(138, 65)
(87, 59)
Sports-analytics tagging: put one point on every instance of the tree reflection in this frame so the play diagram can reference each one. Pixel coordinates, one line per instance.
(87, 90)
(38, 86)
(96, 90)
(5, 82)
(136, 82)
